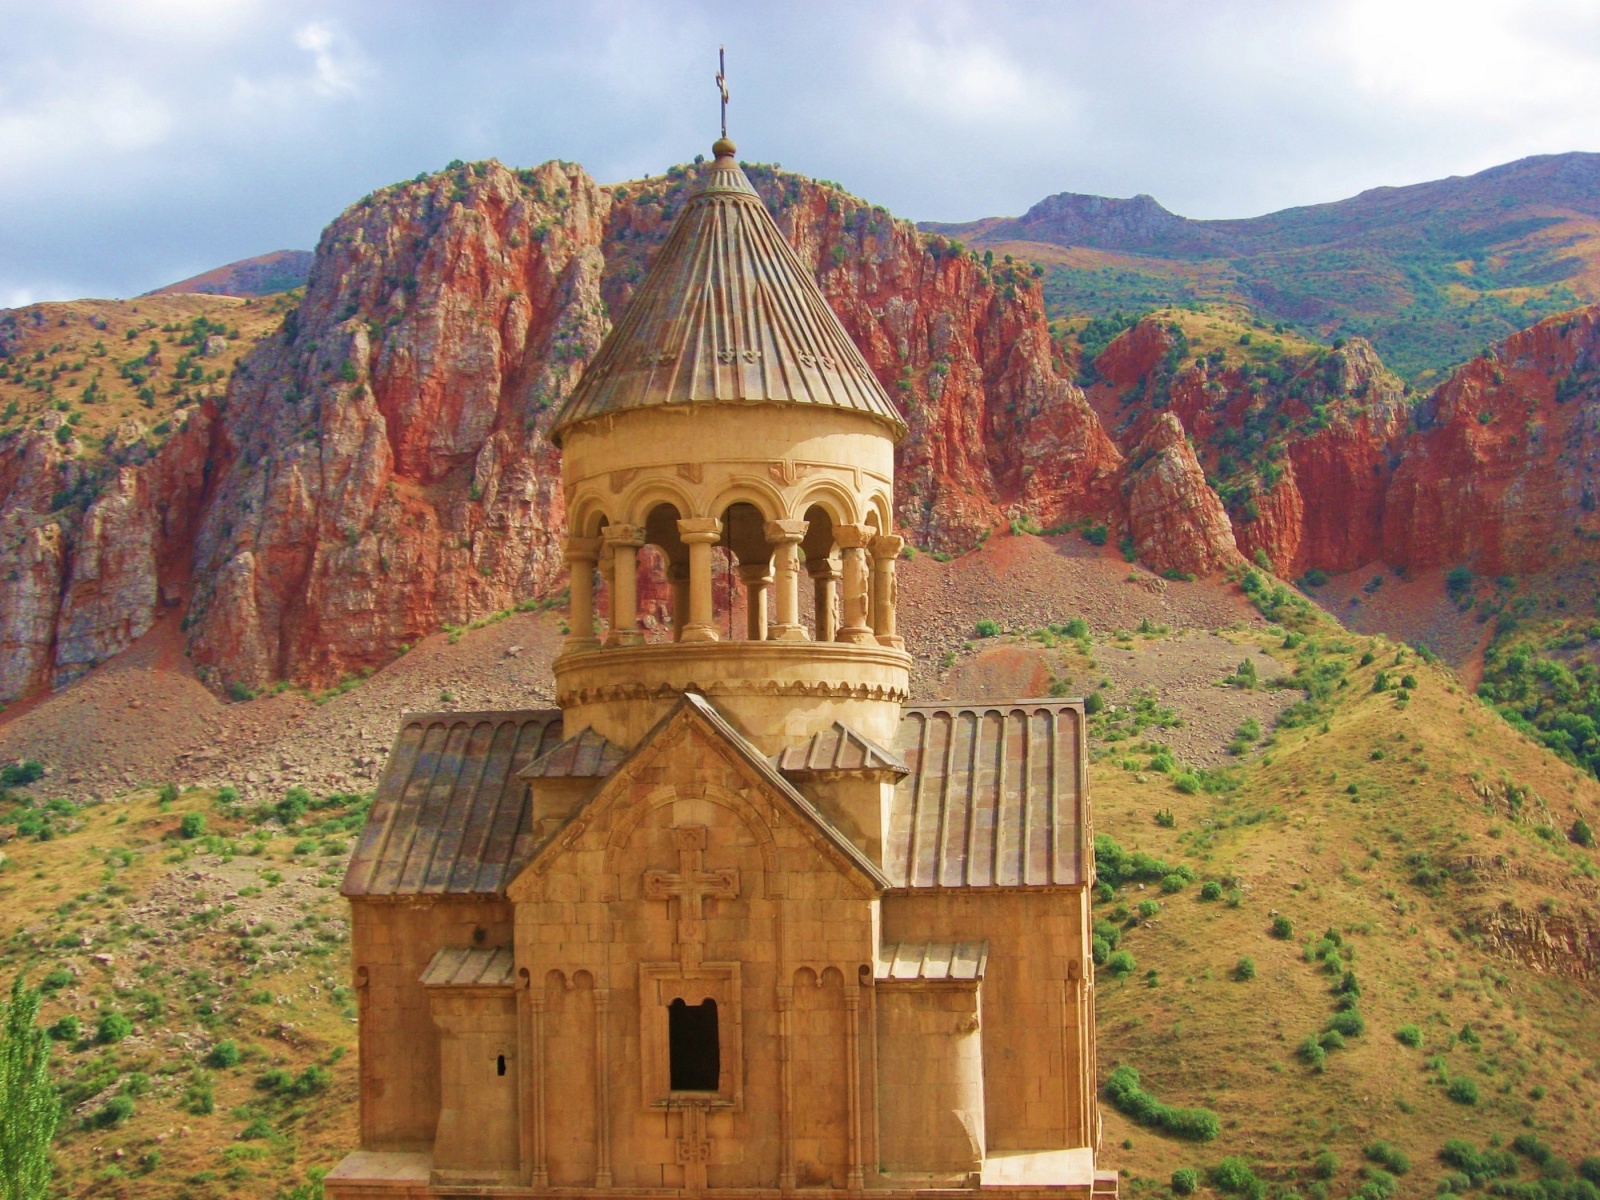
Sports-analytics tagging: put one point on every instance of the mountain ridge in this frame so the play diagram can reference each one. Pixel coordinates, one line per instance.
(1430, 272)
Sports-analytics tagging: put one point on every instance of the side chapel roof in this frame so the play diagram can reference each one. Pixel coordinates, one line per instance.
(727, 313)
(451, 815)
(995, 797)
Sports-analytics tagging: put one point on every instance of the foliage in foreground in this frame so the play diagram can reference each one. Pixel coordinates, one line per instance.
(29, 1107)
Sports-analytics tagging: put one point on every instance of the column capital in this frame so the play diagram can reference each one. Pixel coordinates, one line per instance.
(581, 549)
(702, 530)
(623, 535)
(755, 572)
(822, 568)
(887, 546)
(786, 531)
(854, 537)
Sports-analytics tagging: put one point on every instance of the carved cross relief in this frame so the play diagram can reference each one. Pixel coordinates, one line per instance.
(691, 885)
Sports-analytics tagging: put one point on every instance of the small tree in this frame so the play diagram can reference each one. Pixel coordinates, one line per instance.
(27, 1098)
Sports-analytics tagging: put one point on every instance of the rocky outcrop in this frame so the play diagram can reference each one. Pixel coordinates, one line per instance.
(379, 467)
(1328, 463)
(1176, 520)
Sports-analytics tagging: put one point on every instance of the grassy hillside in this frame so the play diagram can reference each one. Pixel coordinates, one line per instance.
(1413, 844)
(105, 363)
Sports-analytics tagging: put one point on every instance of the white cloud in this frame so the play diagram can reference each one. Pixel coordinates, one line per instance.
(338, 70)
(1495, 60)
(945, 68)
(338, 67)
(86, 118)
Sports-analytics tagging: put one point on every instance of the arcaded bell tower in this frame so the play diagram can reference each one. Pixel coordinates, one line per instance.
(729, 414)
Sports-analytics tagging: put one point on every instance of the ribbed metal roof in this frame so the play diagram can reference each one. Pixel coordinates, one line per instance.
(995, 797)
(469, 966)
(935, 962)
(584, 755)
(727, 314)
(837, 748)
(451, 815)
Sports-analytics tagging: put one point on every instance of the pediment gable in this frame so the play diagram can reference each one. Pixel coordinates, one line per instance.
(694, 719)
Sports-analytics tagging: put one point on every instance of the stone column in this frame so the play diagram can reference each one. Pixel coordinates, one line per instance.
(757, 579)
(699, 534)
(623, 542)
(886, 549)
(825, 590)
(853, 542)
(678, 577)
(581, 554)
(785, 537)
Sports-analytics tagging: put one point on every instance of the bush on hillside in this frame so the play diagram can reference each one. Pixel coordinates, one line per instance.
(1194, 1124)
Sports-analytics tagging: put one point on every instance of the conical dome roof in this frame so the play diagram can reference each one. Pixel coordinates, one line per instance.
(727, 315)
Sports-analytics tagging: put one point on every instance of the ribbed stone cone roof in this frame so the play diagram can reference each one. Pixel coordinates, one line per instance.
(727, 314)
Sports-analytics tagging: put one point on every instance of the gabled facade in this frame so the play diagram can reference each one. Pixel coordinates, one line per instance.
(735, 917)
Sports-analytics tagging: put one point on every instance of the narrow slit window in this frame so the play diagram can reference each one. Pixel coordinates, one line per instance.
(500, 1065)
(696, 1058)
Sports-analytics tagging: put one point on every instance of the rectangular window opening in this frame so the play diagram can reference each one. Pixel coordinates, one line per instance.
(696, 1057)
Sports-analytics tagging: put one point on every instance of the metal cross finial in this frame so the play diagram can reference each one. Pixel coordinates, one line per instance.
(722, 86)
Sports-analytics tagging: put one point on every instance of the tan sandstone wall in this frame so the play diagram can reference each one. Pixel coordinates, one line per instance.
(392, 942)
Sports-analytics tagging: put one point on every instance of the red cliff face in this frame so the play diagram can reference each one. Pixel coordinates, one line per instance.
(1176, 520)
(379, 468)
(1503, 471)
(388, 471)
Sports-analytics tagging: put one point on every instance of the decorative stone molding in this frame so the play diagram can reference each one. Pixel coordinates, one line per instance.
(757, 687)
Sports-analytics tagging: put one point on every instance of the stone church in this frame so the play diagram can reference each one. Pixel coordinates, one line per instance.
(737, 916)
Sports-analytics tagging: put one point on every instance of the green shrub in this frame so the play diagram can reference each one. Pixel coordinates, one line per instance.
(1479, 1166)
(1173, 883)
(987, 628)
(1348, 1023)
(1282, 927)
(115, 1111)
(1148, 908)
(1331, 1039)
(1077, 628)
(191, 825)
(1325, 1165)
(55, 981)
(1462, 1090)
(224, 1054)
(113, 1027)
(260, 1127)
(67, 1029)
(295, 804)
(22, 773)
(1185, 1180)
(1582, 834)
(1120, 963)
(1312, 1053)
(1389, 1157)
(1245, 969)
(1409, 1035)
(1211, 890)
(1589, 1168)
(1092, 703)
(1234, 1176)
(168, 793)
(1195, 1124)
(227, 794)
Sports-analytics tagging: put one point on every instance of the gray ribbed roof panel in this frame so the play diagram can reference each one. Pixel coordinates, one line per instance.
(451, 815)
(996, 796)
(727, 314)
(837, 748)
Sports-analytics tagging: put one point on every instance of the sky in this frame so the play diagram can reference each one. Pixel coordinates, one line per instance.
(143, 141)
